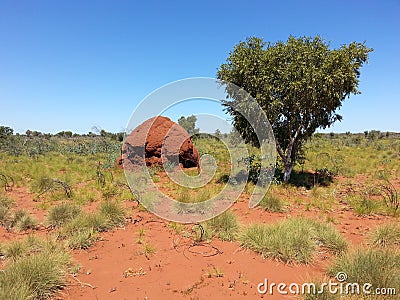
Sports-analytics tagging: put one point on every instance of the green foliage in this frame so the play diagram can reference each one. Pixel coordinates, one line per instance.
(292, 240)
(225, 226)
(299, 84)
(364, 205)
(81, 232)
(5, 132)
(189, 124)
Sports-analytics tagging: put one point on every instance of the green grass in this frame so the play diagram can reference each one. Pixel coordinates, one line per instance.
(365, 206)
(5, 206)
(15, 249)
(386, 235)
(292, 240)
(21, 220)
(82, 239)
(82, 231)
(37, 271)
(379, 267)
(225, 226)
(271, 203)
(114, 212)
(62, 213)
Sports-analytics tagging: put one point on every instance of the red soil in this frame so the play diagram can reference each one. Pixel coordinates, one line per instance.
(116, 267)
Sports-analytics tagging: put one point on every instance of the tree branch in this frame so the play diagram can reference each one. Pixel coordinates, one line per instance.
(279, 149)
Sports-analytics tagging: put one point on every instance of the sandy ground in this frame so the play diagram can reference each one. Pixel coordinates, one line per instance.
(116, 268)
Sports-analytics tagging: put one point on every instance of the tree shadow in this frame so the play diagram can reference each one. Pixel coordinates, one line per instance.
(308, 180)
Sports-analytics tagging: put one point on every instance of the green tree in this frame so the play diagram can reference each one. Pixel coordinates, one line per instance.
(189, 124)
(299, 84)
(5, 132)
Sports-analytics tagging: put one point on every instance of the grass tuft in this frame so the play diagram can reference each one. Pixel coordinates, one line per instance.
(386, 235)
(62, 213)
(292, 240)
(271, 203)
(21, 220)
(114, 212)
(35, 272)
(379, 267)
(225, 226)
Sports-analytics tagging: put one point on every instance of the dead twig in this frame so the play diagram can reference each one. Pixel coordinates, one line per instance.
(82, 284)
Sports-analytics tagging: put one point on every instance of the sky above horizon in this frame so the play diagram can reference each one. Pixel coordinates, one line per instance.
(72, 65)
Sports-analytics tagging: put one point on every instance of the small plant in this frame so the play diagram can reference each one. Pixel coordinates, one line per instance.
(271, 203)
(82, 239)
(100, 178)
(51, 185)
(387, 235)
(390, 196)
(140, 235)
(364, 205)
(62, 213)
(82, 231)
(75, 270)
(15, 249)
(214, 272)
(225, 226)
(148, 250)
(7, 182)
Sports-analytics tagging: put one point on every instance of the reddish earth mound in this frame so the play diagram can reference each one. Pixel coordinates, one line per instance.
(156, 141)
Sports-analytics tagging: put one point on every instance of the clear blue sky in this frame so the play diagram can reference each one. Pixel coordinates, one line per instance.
(71, 65)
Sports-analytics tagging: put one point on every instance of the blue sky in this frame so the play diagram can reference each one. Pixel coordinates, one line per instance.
(72, 65)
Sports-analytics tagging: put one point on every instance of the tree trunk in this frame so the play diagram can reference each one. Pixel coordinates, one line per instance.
(287, 172)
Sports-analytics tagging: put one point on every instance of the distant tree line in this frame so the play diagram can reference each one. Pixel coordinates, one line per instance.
(6, 131)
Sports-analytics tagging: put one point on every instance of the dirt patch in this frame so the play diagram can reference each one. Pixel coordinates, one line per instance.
(157, 141)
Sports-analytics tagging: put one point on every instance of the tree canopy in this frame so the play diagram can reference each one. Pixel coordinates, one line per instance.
(189, 124)
(300, 84)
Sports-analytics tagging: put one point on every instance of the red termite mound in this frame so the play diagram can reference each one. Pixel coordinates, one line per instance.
(156, 141)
